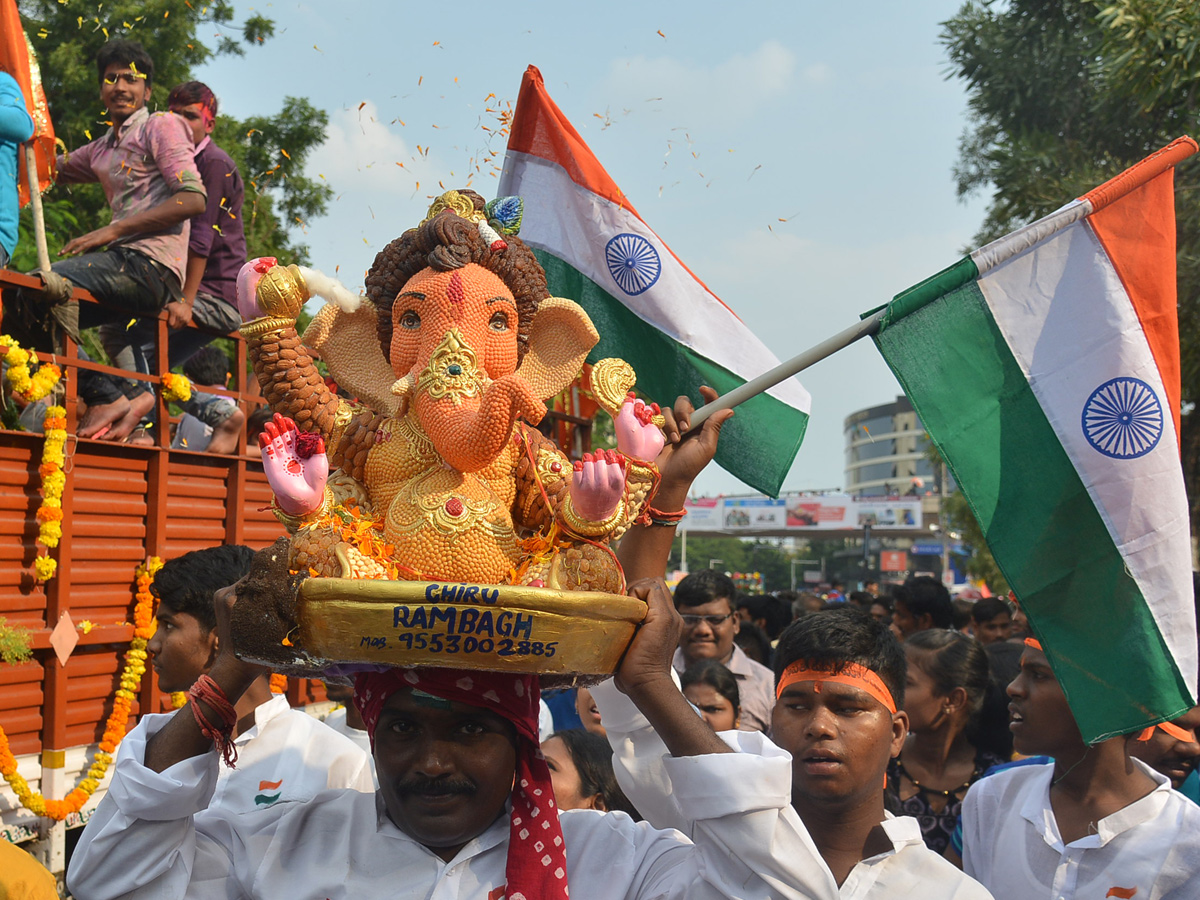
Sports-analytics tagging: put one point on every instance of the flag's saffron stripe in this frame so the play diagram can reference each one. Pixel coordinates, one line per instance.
(540, 129)
(1041, 523)
(756, 445)
(1138, 234)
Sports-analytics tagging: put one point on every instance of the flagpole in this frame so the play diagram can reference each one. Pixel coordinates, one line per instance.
(35, 199)
(796, 364)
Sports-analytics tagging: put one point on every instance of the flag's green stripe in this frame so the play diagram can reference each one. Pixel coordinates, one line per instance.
(757, 445)
(1042, 526)
(945, 281)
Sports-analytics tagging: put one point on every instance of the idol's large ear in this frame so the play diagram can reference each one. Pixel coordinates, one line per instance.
(559, 341)
(349, 345)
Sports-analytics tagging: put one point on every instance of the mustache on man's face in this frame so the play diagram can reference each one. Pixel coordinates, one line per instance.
(434, 787)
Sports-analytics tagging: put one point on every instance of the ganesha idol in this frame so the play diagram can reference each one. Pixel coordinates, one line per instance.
(432, 483)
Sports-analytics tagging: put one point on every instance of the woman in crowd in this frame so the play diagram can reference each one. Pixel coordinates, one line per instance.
(581, 771)
(945, 691)
(713, 690)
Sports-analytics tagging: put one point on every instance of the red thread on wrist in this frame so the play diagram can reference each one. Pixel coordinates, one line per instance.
(208, 692)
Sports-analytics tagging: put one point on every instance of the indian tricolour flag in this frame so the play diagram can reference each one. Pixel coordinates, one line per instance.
(1045, 367)
(647, 305)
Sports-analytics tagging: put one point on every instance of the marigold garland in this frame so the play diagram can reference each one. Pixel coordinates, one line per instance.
(176, 388)
(29, 387)
(54, 481)
(118, 720)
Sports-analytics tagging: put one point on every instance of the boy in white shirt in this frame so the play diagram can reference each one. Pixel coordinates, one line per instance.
(284, 754)
(1093, 823)
(841, 674)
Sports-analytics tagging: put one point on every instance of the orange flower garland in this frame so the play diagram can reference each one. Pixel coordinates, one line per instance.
(118, 720)
(54, 480)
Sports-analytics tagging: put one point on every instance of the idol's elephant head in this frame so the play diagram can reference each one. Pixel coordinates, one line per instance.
(461, 367)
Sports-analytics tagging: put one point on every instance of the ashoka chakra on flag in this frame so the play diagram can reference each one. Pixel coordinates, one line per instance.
(1123, 418)
(633, 263)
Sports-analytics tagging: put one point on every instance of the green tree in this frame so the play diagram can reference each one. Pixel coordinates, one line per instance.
(269, 150)
(1064, 94)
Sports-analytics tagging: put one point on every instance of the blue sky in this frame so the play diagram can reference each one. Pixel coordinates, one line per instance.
(797, 155)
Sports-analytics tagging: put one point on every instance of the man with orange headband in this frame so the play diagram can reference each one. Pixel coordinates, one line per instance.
(465, 806)
(1093, 823)
(838, 717)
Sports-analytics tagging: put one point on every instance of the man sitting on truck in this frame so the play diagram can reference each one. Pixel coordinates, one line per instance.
(282, 753)
(134, 264)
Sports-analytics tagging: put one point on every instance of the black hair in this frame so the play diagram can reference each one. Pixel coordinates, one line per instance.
(952, 659)
(124, 53)
(775, 612)
(208, 365)
(927, 596)
(187, 583)
(592, 757)
(754, 642)
(717, 677)
(861, 599)
(988, 608)
(193, 92)
(704, 587)
(833, 639)
(962, 608)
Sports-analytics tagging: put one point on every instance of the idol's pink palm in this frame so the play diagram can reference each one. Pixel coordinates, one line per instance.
(295, 464)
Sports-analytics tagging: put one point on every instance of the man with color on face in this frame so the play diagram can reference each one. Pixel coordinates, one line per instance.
(133, 265)
(1093, 823)
(706, 602)
(216, 242)
(284, 754)
(841, 676)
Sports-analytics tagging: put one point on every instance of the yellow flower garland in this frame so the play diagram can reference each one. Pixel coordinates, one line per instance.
(118, 720)
(33, 388)
(176, 388)
(30, 387)
(54, 480)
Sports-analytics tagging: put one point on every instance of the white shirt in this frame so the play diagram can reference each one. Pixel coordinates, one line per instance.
(145, 840)
(1011, 842)
(337, 721)
(668, 792)
(756, 687)
(287, 755)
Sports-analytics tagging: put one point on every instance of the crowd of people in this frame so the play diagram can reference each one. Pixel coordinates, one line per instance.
(175, 243)
(878, 746)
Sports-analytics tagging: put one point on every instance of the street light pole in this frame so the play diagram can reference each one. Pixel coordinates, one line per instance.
(866, 553)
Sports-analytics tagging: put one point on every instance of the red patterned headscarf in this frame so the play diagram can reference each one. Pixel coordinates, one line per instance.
(537, 859)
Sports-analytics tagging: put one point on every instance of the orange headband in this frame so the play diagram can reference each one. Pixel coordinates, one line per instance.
(853, 674)
(1173, 730)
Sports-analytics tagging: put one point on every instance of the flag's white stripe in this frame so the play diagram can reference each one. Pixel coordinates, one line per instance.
(575, 224)
(1072, 327)
(1002, 249)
